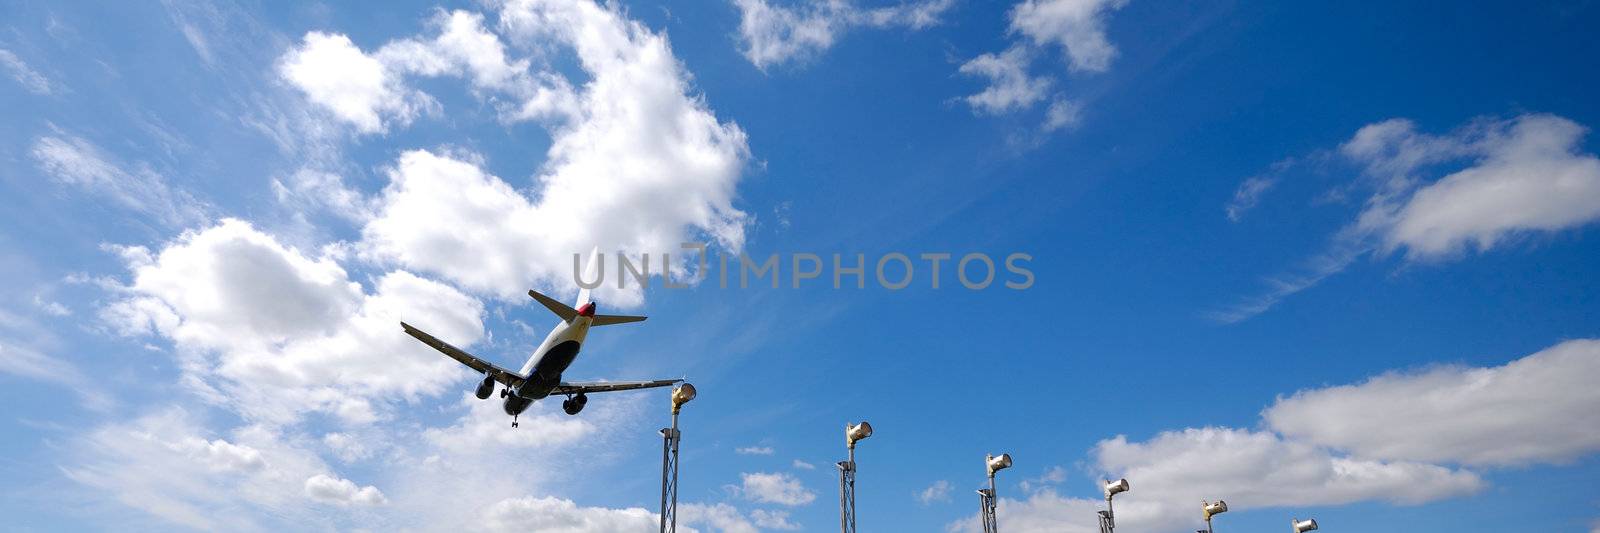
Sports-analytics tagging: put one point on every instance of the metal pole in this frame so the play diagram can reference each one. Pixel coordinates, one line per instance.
(987, 498)
(1108, 522)
(669, 475)
(847, 493)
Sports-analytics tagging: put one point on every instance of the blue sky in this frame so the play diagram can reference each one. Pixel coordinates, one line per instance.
(1333, 261)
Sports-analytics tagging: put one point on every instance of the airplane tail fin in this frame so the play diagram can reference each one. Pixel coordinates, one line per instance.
(560, 309)
(591, 271)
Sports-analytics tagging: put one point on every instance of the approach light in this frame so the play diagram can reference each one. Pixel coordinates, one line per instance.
(681, 394)
(853, 433)
(1114, 488)
(997, 464)
(1210, 509)
(1302, 526)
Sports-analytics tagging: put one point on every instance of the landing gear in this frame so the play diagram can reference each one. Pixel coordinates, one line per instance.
(514, 420)
(574, 404)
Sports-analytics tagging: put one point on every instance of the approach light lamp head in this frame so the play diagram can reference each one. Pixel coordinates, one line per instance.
(997, 464)
(1302, 526)
(681, 394)
(853, 433)
(1210, 509)
(1114, 488)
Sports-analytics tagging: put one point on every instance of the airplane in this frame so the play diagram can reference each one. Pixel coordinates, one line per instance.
(540, 376)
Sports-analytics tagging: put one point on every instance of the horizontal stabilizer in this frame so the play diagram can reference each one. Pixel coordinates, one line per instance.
(606, 320)
(560, 309)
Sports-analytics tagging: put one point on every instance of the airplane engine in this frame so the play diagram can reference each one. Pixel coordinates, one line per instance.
(486, 388)
(575, 405)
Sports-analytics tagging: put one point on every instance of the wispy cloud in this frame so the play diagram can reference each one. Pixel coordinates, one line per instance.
(1524, 175)
(772, 34)
(24, 75)
(754, 450)
(938, 492)
(76, 162)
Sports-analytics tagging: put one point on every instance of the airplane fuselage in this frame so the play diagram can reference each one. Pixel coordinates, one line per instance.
(552, 357)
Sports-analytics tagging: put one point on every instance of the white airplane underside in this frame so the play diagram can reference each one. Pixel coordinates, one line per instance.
(540, 377)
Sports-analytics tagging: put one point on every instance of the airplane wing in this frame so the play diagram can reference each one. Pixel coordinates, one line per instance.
(509, 378)
(609, 386)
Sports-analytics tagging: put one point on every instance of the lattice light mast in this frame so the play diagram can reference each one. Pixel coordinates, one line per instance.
(669, 460)
(847, 476)
(1108, 519)
(1210, 509)
(986, 496)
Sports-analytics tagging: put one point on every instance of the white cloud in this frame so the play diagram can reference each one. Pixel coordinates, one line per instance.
(340, 491)
(50, 307)
(1078, 26)
(643, 168)
(637, 163)
(1010, 86)
(802, 465)
(283, 333)
(165, 464)
(1044, 512)
(1061, 114)
(773, 487)
(346, 447)
(1528, 177)
(355, 87)
(76, 162)
(719, 517)
(25, 76)
(1053, 476)
(1524, 176)
(939, 491)
(1537, 409)
(221, 455)
(310, 188)
(1259, 469)
(772, 34)
(1373, 441)
(773, 519)
(485, 427)
(1177, 469)
(463, 47)
(754, 450)
(556, 515)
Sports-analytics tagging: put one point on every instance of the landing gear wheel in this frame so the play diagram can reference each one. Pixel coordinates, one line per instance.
(514, 420)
